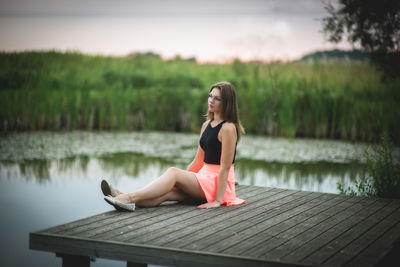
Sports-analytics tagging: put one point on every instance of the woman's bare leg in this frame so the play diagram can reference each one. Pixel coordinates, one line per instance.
(174, 195)
(183, 180)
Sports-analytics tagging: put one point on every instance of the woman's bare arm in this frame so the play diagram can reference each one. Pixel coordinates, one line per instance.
(198, 160)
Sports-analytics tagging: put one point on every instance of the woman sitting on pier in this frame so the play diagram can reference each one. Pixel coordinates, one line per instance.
(210, 176)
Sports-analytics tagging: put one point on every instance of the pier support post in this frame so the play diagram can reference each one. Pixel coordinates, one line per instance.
(74, 260)
(135, 264)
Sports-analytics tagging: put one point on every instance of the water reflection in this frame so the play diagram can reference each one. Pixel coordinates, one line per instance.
(38, 169)
(44, 176)
(133, 164)
(314, 176)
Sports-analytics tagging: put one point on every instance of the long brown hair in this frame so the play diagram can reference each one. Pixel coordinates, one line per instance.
(230, 111)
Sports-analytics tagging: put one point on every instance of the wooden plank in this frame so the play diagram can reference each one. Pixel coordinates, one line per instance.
(86, 229)
(367, 238)
(195, 212)
(102, 216)
(309, 248)
(141, 253)
(64, 228)
(276, 227)
(186, 232)
(153, 231)
(224, 234)
(356, 204)
(254, 240)
(242, 189)
(356, 228)
(198, 231)
(387, 243)
(132, 222)
(73, 224)
(119, 216)
(126, 227)
(304, 222)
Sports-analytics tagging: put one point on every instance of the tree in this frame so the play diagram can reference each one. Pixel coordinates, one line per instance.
(374, 25)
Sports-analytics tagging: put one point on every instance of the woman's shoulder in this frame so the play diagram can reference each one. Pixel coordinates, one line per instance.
(228, 131)
(229, 125)
(229, 128)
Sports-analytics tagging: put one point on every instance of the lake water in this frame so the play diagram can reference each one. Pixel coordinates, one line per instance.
(51, 178)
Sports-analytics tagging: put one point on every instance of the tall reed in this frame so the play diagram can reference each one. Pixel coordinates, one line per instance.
(67, 91)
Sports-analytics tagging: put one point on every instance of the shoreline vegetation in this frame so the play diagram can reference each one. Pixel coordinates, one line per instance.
(383, 174)
(336, 99)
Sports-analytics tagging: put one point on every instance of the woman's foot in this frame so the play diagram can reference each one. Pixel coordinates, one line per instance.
(124, 198)
(119, 205)
(108, 190)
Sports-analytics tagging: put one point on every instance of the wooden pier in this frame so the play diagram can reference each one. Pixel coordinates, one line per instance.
(276, 227)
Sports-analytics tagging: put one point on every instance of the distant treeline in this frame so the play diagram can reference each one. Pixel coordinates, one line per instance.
(336, 54)
(68, 91)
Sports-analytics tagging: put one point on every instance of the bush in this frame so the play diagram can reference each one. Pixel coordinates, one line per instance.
(383, 178)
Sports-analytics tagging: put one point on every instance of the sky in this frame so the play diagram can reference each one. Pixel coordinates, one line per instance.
(217, 31)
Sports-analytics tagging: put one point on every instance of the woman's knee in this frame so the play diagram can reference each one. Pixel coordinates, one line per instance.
(174, 173)
(173, 170)
(179, 176)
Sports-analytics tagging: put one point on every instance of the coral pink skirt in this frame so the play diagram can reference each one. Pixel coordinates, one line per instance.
(208, 180)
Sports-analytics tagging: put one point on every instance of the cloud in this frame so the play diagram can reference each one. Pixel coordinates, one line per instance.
(159, 7)
(259, 38)
(208, 30)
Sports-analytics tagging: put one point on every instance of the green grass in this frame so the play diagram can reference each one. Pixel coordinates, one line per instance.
(67, 91)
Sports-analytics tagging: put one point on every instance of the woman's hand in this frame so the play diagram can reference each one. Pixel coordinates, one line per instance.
(209, 205)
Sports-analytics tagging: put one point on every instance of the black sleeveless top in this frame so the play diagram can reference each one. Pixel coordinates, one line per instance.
(211, 145)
